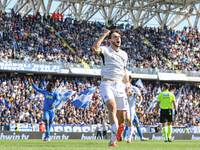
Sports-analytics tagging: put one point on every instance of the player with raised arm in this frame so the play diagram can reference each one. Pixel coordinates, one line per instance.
(51, 99)
(113, 74)
(131, 115)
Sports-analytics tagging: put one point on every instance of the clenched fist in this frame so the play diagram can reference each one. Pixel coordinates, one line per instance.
(106, 32)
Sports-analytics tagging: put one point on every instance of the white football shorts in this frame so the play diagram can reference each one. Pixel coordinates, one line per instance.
(131, 107)
(114, 90)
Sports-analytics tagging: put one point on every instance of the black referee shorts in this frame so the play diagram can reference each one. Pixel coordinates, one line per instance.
(166, 115)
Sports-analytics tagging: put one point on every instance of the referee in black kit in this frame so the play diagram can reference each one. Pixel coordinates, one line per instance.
(166, 99)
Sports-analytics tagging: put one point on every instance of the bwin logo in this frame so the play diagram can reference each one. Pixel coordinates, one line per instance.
(14, 136)
(195, 138)
(57, 137)
(84, 137)
(154, 137)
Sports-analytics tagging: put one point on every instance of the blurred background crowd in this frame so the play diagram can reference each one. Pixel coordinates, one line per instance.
(43, 39)
(20, 103)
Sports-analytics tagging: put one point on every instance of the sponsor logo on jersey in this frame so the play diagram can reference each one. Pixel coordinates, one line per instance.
(166, 94)
(49, 96)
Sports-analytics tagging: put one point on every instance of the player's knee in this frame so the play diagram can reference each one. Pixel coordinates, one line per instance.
(46, 121)
(111, 107)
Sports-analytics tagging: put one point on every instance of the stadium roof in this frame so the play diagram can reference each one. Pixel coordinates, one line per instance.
(166, 12)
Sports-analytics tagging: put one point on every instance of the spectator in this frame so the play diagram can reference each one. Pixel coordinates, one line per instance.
(99, 130)
(7, 124)
(105, 129)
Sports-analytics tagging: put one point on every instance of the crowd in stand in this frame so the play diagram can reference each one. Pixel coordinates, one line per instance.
(180, 47)
(32, 38)
(20, 103)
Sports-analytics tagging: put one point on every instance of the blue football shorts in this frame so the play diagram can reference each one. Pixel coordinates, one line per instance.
(49, 115)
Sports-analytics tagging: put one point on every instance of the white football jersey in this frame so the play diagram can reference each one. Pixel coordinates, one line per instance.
(135, 90)
(131, 99)
(113, 63)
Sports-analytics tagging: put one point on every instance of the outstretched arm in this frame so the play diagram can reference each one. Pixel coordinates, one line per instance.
(35, 87)
(57, 101)
(97, 43)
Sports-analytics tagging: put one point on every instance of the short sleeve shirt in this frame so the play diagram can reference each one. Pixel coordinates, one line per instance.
(166, 99)
(113, 63)
(135, 90)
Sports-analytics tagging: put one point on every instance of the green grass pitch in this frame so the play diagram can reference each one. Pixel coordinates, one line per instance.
(97, 145)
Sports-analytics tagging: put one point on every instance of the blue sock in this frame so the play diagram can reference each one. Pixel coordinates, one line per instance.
(49, 127)
(139, 132)
(125, 132)
(47, 130)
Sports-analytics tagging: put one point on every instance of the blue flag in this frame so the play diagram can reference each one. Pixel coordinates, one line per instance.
(154, 102)
(177, 98)
(159, 91)
(178, 95)
(140, 84)
(82, 100)
(65, 95)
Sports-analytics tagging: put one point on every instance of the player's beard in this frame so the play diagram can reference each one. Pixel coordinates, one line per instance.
(115, 44)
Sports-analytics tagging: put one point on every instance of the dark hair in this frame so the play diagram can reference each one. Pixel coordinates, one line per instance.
(130, 77)
(166, 85)
(113, 31)
(50, 85)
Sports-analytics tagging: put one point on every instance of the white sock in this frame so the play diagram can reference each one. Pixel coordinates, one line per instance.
(114, 129)
(130, 131)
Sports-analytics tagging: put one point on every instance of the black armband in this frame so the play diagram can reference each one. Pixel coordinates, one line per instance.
(175, 112)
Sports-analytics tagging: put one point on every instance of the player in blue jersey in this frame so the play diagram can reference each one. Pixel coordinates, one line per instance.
(131, 116)
(51, 99)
